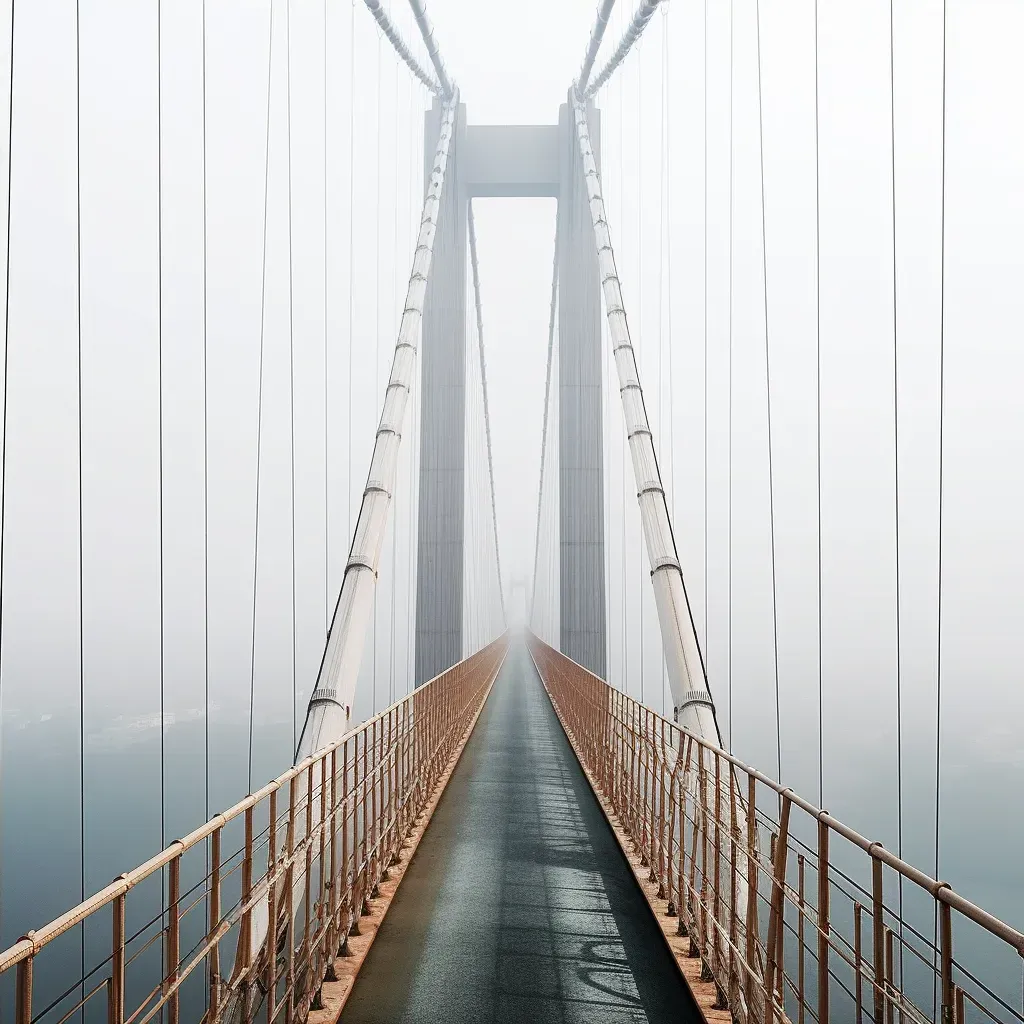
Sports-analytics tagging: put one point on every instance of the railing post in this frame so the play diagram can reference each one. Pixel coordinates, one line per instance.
(173, 946)
(776, 911)
(858, 957)
(878, 932)
(213, 920)
(245, 929)
(331, 939)
(289, 897)
(823, 921)
(946, 954)
(801, 910)
(23, 990)
(752, 890)
(272, 911)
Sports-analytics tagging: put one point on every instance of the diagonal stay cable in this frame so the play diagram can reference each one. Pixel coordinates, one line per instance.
(483, 388)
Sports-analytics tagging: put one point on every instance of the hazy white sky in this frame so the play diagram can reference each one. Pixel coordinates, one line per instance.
(672, 203)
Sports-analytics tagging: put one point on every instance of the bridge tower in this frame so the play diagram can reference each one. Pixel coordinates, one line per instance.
(511, 161)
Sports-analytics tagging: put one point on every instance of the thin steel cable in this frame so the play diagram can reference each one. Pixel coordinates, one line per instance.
(7, 346)
(160, 402)
(394, 308)
(707, 611)
(817, 345)
(622, 450)
(662, 204)
(327, 377)
(376, 342)
(768, 396)
(732, 183)
(259, 394)
(668, 270)
(544, 424)
(351, 247)
(483, 388)
(81, 502)
(291, 347)
(896, 479)
(640, 320)
(206, 443)
(942, 420)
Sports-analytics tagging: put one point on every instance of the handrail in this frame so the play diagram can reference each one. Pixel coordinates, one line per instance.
(634, 757)
(359, 796)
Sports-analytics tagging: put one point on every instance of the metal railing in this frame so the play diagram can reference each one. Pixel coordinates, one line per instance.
(823, 937)
(307, 852)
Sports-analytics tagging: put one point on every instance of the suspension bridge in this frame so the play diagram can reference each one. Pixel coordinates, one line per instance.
(483, 819)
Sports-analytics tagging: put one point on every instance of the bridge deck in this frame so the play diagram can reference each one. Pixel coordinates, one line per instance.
(519, 905)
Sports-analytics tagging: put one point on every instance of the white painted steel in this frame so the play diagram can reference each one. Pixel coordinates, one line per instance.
(403, 51)
(331, 703)
(694, 709)
(634, 31)
(596, 35)
(420, 14)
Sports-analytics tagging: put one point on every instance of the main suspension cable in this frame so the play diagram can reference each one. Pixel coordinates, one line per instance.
(633, 32)
(395, 39)
(596, 35)
(420, 14)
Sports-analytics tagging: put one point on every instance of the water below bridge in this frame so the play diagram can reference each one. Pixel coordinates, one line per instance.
(519, 905)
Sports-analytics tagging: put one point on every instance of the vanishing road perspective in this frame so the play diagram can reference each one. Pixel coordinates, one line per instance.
(588, 493)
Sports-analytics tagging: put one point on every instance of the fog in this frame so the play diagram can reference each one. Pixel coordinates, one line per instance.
(713, 256)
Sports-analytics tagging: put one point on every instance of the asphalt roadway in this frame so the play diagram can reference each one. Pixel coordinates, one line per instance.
(519, 905)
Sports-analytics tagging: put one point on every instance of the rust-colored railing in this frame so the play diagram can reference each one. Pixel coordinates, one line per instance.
(306, 852)
(817, 934)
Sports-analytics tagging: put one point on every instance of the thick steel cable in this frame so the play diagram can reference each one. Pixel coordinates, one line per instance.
(426, 30)
(483, 388)
(694, 706)
(596, 35)
(633, 32)
(330, 704)
(544, 424)
(395, 39)
(259, 398)
(7, 346)
(768, 398)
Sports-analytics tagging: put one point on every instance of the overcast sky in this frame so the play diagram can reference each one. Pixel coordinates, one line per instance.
(676, 214)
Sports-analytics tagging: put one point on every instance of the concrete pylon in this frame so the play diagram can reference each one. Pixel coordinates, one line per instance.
(511, 161)
(580, 421)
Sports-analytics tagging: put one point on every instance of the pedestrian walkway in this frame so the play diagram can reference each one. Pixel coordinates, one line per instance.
(519, 905)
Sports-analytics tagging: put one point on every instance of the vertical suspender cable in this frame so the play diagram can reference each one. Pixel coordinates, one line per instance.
(732, 18)
(291, 345)
(707, 610)
(206, 453)
(768, 398)
(942, 420)
(640, 318)
(3, 439)
(351, 250)
(671, 293)
(327, 377)
(259, 394)
(375, 385)
(394, 307)
(81, 526)
(817, 347)
(662, 203)
(160, 398)
(896, 477)
(483, 389)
